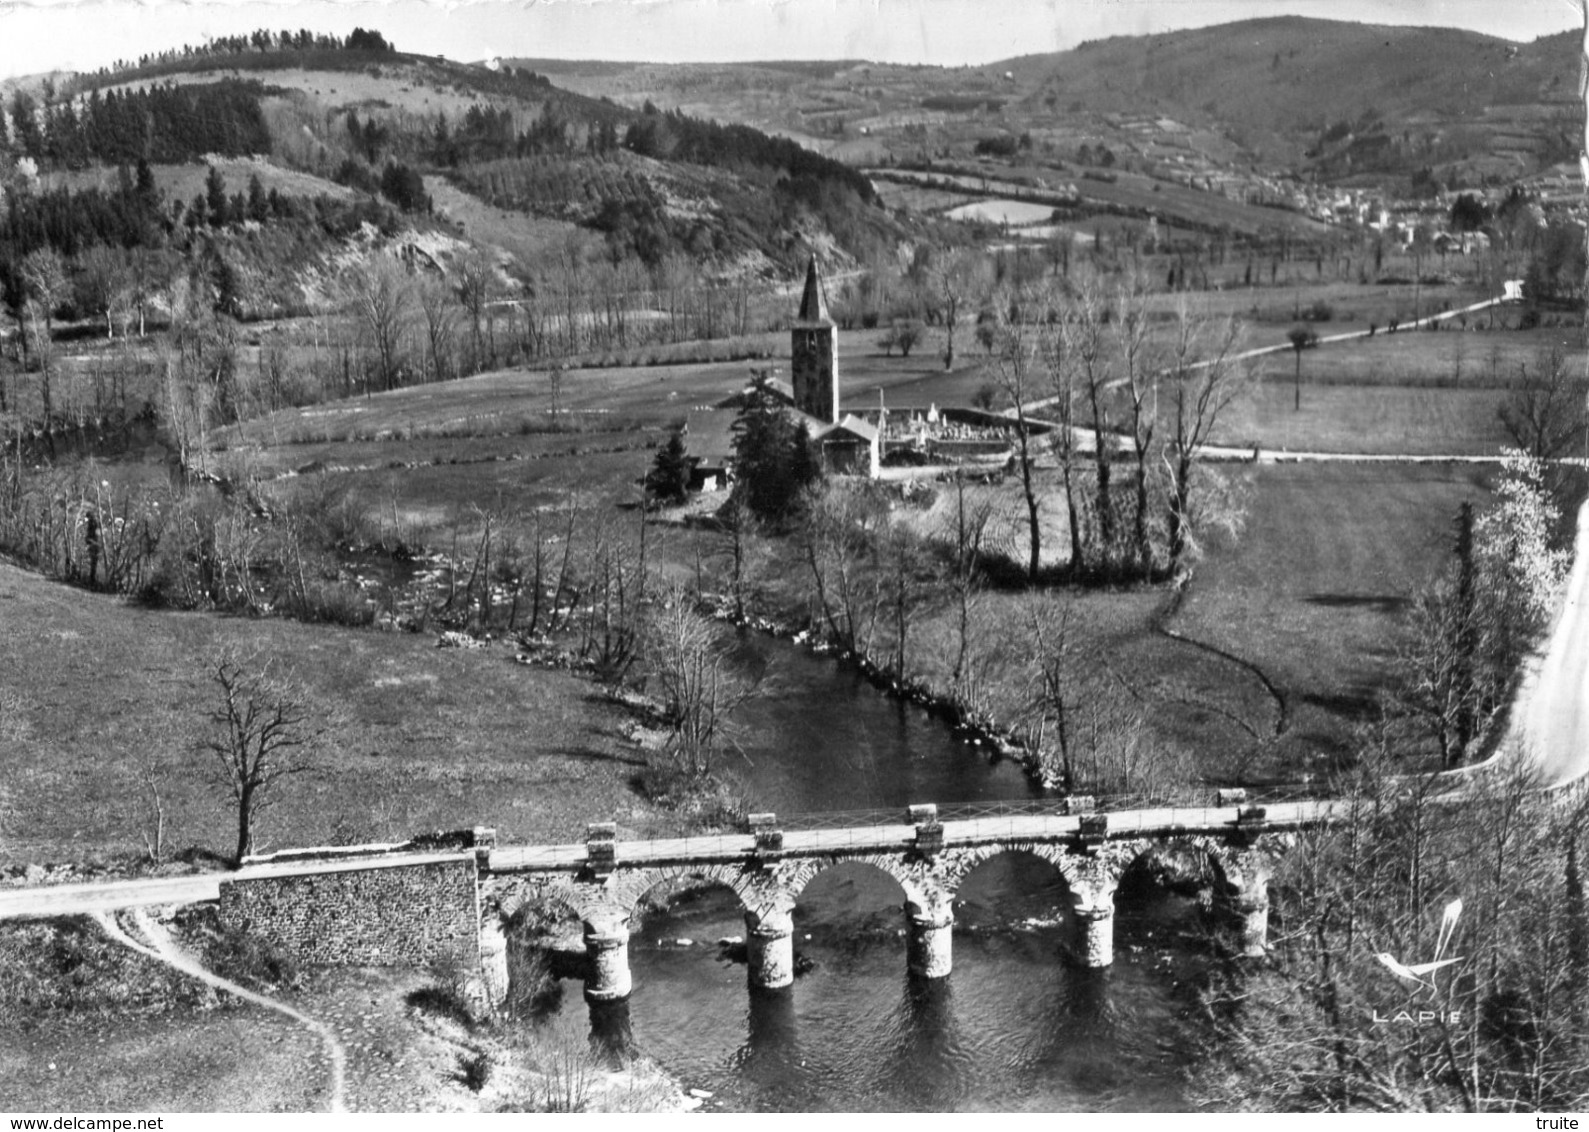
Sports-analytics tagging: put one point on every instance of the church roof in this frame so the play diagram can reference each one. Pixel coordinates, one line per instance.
(813, 303)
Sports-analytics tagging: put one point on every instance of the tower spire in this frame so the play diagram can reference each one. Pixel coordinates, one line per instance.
(813, 303)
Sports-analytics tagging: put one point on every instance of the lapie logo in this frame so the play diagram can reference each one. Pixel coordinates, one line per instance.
(1423, 974)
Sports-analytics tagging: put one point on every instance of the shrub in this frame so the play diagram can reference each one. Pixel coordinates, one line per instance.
(534, 990)
(246, 958)
(445, 998)
(568, 1074)
(474, 1070)
(335, 603)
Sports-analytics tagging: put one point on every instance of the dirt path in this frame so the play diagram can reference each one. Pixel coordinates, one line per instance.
(166, 951)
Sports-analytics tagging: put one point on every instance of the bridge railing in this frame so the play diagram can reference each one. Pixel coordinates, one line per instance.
(1206, 800)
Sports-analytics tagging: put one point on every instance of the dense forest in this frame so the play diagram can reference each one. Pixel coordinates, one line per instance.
(161, 124)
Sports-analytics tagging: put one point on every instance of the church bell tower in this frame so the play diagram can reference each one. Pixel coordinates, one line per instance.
(814, 353)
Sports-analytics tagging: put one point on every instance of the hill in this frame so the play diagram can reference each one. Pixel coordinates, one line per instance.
(1339, 99)
(1435, 94)
(503, 134)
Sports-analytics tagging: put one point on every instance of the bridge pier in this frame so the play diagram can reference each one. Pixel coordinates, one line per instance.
(930, 942)
(493, 964)
(607, 948)
(1247, 873)
(612, 1031)
(1093, 904)
(1252, 916)
(769, 948)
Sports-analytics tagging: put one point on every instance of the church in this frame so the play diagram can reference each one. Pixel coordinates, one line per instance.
(848, 445)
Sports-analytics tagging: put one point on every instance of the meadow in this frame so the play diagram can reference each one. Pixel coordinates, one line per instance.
(105, 697)
(1313, 593)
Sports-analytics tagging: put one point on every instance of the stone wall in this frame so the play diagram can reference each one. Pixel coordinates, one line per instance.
(413, 913)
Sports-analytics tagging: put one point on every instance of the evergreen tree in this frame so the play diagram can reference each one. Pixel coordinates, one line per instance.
(30, 138)
(774, 458)
(258, 208)
(215, 198)
(669, 478)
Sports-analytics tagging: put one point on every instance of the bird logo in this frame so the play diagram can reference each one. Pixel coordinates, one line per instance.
(1421, 974)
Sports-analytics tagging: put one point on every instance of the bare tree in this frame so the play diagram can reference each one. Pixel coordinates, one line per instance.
(381, 294)
(699, 686)
(959, 278)
(1546, 412)
(476, 284)
(1088, 348)
(1142, 377)
(151, 786)
(1203, 381)
(1018, 378)
(966, 530)
(440, 308)
(265, 736)
(841, 532)
(1053, 349)
(44, 283)
(102, 282)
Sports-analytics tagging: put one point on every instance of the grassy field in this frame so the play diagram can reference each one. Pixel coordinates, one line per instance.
(87, 1025)
(1382, 421)
(184, 182)
(1315, 592)
(420, 738)
(520, 234)
(138, 1036)
(1449, 358)
(244, 1059)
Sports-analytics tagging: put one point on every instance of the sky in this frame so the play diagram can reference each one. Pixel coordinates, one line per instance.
(41, 35)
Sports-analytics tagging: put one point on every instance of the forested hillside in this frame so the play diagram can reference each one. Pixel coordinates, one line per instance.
(643, 183)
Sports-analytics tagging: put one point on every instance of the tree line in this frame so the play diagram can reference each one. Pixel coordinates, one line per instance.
(167, 124)
(260, 41)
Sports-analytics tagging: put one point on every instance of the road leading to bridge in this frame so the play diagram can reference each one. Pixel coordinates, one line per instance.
(76, 899)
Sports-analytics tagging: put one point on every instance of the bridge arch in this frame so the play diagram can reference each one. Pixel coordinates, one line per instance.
(972, 870)
(923, 893)
(1237, 873)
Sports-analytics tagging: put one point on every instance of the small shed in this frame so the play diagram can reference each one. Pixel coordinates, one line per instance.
(709, 440)
(850, 448)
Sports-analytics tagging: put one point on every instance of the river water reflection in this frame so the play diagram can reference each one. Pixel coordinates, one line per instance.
(1014, 1027)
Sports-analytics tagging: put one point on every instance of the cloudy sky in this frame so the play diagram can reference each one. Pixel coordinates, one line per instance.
(37, 35)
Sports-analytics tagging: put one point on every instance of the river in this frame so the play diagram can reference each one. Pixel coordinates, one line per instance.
(1015, 1027)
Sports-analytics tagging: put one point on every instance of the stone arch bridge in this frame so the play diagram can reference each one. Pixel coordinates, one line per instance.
(603, 881)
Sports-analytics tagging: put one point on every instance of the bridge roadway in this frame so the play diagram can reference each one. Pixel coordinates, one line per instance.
(902, 836)
(108, 896)
(77, 899)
